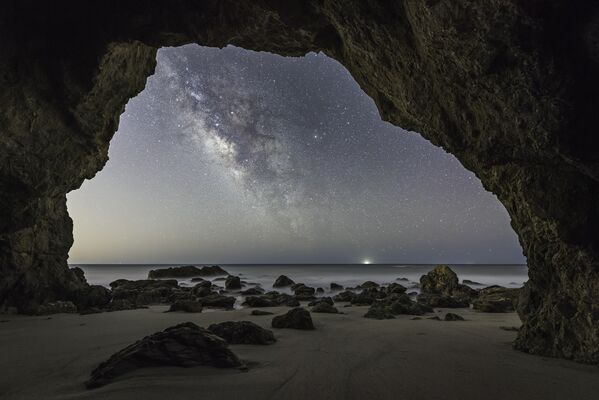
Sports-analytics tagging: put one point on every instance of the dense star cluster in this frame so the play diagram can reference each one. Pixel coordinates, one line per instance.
(232, 156)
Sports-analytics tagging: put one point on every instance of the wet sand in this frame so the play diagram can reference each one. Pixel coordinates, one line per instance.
(346, 357)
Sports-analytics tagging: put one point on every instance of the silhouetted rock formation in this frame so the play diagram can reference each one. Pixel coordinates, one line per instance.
(324, 307)
(297, 318)
(187, 271)
(508, 87)
(233, 283)
(283, 281)
(441, 288)
(183, 345)
(186, 306)
(242, 332)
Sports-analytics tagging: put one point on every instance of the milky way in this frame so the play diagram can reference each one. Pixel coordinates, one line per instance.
(233, 156)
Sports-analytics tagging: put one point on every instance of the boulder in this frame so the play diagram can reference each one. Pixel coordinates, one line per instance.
(183, 345)
(319, 290)
(497, 299)
(379, 312)
(345, 296)
(260, 312)
(336, 287)
(325, 308)
(297, 318)
(233, 283)
(188, 306)
(368, 284)
(441, 280)
(395, 288)
(437, 300)
(254, 291)
(303, 290)
(143, 292)
(327, 300)
(202, 289)
(217, 301)
(259, 301)
(92, 296)
(283, 281)
(453, 317)
(242, 332)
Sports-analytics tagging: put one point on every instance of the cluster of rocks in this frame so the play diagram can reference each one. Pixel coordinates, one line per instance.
(188, 345)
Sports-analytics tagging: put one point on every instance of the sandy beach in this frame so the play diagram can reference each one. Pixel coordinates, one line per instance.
(346, 357)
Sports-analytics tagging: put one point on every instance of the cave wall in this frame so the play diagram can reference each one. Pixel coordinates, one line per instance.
(507, 86)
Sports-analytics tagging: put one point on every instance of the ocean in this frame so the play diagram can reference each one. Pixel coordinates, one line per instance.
(348, 275)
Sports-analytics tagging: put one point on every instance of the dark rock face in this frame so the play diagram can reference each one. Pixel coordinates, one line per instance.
(57, 307)
(186, 306)
(218, 301)
(325, 308)
(509, 87)
(336, 287)
(283, 281)
(297, 318)
(233, 283)
(242, 332)
(184, 345)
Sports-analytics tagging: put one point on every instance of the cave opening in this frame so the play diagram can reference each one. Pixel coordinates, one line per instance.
(238, 157)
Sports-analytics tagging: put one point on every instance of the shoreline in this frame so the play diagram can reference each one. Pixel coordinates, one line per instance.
(346, 357)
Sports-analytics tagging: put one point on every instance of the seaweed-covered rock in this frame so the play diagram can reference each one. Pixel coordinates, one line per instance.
(297, 318)
(183, 345)
(242, 332)
(233, 283)
(186, 306)
(283, 281)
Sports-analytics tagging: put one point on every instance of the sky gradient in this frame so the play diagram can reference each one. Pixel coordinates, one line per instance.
(232, 156)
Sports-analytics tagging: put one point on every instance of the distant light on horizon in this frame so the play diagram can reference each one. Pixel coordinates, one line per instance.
(366, 261)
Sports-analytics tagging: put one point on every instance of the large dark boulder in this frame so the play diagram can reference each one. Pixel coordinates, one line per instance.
(283, 281)
(336, 287)
(144, 292)
(218, 301)
(92, 297)
(453, 317)
(327, 300)
(188, 306)
(254, 291)
(233, 283)
(441, 280)
(242, 332)
(184, 345)
(345, 296)
(57, 307)
(379, 311)
(259, 301)
(202, 289)
(297, 318)
(325, 308)
(438, 300)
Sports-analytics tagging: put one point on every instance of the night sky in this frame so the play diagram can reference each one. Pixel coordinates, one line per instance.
(232, 156)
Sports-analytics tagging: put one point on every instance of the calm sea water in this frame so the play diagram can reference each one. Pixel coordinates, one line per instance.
(322, 275)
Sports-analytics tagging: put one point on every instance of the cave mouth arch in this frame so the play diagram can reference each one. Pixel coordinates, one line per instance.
(270, 159)
(509, 89)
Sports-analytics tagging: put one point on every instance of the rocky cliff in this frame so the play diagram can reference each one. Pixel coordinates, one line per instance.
(509, 87)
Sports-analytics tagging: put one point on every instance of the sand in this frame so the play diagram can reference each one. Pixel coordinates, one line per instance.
(346, 357)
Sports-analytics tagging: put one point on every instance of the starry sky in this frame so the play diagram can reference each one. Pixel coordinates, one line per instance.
(233, 156)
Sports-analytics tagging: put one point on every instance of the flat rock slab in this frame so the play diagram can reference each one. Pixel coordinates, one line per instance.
(184, 345)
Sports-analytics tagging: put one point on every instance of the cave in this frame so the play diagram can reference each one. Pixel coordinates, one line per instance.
(508, 87)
